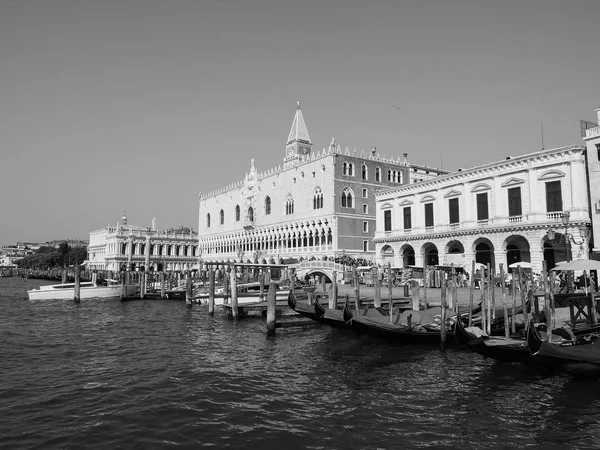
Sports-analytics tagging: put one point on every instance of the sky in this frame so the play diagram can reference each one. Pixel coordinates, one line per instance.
(137, 106)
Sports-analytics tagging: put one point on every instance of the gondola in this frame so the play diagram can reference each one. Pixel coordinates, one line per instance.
(580, 358)
(335, 317)
(398, 330)
(299, 304)
(495, 347)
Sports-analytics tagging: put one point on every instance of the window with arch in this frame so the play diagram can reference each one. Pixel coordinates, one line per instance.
(251, 214)
(222, 217)
(347, 198)
(345, 169)
(268, 205)
(318, 199)
(364, 173)
(377, 174)
(400, 177)
(289, 206)
(351, 169)
(208, 220)
(389, 174)
(237, 213)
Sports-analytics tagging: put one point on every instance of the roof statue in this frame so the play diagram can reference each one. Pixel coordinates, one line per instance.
(298, 132)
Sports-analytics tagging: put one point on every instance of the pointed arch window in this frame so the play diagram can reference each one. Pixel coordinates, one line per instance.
(237, 213)
(318, 199)
(378, 174)
(345, 169)
(208, 220)
(351, 169)
(251, 214)
(347, 198)
(389, 174)
(289, 206)
(222, 217)
(364, 172)
(267, 205)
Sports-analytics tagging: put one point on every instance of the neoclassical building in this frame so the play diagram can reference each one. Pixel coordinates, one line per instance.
(592, 142)
(315, 203)
(136, 247)
(529, 208)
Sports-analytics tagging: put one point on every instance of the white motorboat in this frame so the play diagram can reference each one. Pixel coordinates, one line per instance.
(87, 289)
(247, 293)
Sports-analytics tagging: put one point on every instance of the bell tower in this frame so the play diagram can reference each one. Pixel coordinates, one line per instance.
(298, 141)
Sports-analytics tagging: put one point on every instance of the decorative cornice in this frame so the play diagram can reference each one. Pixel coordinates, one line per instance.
(552, 173)
(513, 182)
(480, 187)
(452, 193)
(512, 165)
(472, 231)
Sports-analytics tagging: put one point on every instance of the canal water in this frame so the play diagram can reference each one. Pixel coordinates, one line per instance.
(154, 374)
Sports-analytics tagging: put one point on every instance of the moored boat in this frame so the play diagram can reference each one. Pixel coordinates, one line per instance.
(424, 327)
(246, 293)
(580, 358)
(298, 301)
(335, 317)
(87, 289)
(495, 347)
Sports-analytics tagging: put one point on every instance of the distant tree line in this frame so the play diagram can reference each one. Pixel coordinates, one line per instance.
(49, 257)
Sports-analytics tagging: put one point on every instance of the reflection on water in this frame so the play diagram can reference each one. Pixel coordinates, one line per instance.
(156, 374)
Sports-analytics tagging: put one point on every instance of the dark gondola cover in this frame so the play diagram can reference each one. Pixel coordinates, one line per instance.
(299, 303)
(332, 317)
(495, 347)
(394, 331)
(580, 358)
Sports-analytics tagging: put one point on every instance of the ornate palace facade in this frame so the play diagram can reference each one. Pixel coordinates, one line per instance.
(529, 208)
(317, 203)
(135, 247)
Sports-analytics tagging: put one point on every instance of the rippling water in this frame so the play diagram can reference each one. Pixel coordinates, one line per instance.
(150, 374)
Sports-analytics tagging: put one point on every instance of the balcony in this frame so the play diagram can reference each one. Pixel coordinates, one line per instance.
(515, 219)
(248, 223)
(592, 132)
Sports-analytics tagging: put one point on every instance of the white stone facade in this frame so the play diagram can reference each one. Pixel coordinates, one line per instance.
(316, 204)
(135, 247)
(592, 141)
(471, 218)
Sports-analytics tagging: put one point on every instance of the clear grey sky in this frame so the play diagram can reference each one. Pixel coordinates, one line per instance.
(138, 105)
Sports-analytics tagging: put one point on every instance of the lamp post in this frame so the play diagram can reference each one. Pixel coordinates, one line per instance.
(568, 237)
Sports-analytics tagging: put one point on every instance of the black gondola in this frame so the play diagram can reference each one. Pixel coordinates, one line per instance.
(580, 358)
(396, 331)
(299, 303)
(495, 347)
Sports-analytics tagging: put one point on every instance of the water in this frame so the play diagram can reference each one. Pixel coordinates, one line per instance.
(154, 374)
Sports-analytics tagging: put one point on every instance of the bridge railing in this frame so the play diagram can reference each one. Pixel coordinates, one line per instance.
(330, 265)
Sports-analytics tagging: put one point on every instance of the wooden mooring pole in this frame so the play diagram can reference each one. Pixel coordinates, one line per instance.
(356, 289)
(334, 291)
(504, 305)
(211, 291)
(188, 289)
(377, 294)
(234, 298)
(271, 309)
(161, 277)
(390, 297)
(471, 291)
(77, 291)
(443, 313)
